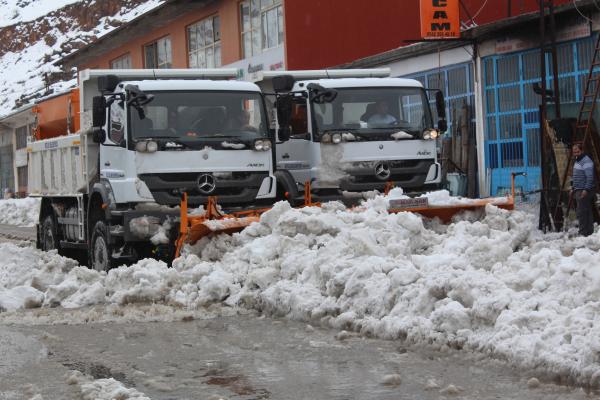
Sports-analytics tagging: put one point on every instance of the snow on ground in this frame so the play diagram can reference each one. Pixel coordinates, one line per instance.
(20, 212)
(495, 286)
(103, 389)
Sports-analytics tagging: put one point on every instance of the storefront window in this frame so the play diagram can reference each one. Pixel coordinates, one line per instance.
(123, 62)
(262, 25)
(204, 43)
(158, 54)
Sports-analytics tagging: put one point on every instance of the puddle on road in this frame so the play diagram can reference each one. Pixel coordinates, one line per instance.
(244, 357)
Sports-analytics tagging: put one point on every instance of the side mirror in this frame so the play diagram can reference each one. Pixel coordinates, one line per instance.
(442, 125)
(108, 83)
(283, 83)
(98, 111)
(320, 95)
(440, 104)
(284, 115)
(98, 135)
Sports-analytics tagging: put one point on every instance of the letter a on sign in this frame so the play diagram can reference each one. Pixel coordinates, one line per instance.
(440, 19)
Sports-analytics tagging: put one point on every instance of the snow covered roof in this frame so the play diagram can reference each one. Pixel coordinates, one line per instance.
(15, 113)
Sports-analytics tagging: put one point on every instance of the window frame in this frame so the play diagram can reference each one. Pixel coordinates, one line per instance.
(154, 44)
(216, 43)
(261, 29)
(126, 56)
(19, 131)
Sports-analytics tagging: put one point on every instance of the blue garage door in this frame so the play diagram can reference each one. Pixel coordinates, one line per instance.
(511, 108)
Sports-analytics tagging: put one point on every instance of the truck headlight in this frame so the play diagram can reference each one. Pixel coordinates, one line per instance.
(336, 138)
(326, 138)
(430, 134)
(146, 146)
(142, 146)
(266, 145)
(152, 146)
(262, 145)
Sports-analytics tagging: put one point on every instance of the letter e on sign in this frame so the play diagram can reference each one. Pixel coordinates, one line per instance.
(440, 19)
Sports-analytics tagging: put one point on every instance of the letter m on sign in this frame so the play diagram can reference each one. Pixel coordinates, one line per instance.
(440, 19)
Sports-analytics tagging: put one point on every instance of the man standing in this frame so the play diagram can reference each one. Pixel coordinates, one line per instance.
(584, 189)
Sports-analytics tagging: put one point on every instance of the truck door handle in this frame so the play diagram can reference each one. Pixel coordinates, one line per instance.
(107, 164)
(286, 156)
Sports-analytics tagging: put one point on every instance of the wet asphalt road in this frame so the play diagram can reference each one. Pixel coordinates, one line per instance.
(246, 357)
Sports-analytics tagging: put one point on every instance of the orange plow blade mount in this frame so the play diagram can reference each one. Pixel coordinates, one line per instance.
(194, 227)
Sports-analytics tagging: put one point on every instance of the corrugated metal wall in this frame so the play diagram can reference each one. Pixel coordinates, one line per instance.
(512, 108)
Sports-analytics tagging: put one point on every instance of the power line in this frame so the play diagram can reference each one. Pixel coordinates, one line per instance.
(480, 10)
(580, 13)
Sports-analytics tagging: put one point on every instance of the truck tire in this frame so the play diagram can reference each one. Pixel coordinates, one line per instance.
(49, 234)
(100, 249)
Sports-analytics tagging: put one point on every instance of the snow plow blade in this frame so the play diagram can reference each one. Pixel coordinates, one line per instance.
(194, 227)
(213, 222)
(445, 213)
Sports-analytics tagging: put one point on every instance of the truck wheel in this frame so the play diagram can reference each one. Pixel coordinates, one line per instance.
(100, 249)
(49, 234)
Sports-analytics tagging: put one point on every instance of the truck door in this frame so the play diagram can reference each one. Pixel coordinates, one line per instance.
(113, 155)
(295, 154)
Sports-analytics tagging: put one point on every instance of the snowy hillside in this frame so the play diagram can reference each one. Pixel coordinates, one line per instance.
(16, 11)
(495, 286)
(29, 48)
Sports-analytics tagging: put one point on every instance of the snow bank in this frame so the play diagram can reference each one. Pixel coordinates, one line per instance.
(21, 212)
(495, 286)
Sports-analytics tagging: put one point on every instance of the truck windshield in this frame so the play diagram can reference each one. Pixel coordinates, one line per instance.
(374, 113)
(200, 116)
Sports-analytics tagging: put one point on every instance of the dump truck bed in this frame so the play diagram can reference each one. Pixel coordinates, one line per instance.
(62, 166)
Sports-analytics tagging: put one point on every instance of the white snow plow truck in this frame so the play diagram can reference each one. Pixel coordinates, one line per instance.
(113, 173)
(346, 132)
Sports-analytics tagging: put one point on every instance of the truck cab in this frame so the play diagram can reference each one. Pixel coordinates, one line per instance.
(207, 138)
(353, 131)
(146, 137)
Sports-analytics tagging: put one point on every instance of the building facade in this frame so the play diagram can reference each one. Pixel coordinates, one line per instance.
(486, 77)
(15, 129)
(492, 74)
(256, 35)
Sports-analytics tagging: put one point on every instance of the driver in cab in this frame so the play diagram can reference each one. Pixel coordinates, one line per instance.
(381, 117)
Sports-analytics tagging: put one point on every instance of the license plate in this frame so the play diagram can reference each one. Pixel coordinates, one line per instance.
(409, 203)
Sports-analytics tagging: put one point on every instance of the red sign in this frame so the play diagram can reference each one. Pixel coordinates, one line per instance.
(440, 19)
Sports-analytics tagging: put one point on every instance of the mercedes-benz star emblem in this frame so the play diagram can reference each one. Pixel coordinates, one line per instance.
(206, 184)
(382, 171)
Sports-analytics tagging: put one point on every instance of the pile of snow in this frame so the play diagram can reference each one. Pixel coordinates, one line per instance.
(21, 212)
(496, 286)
